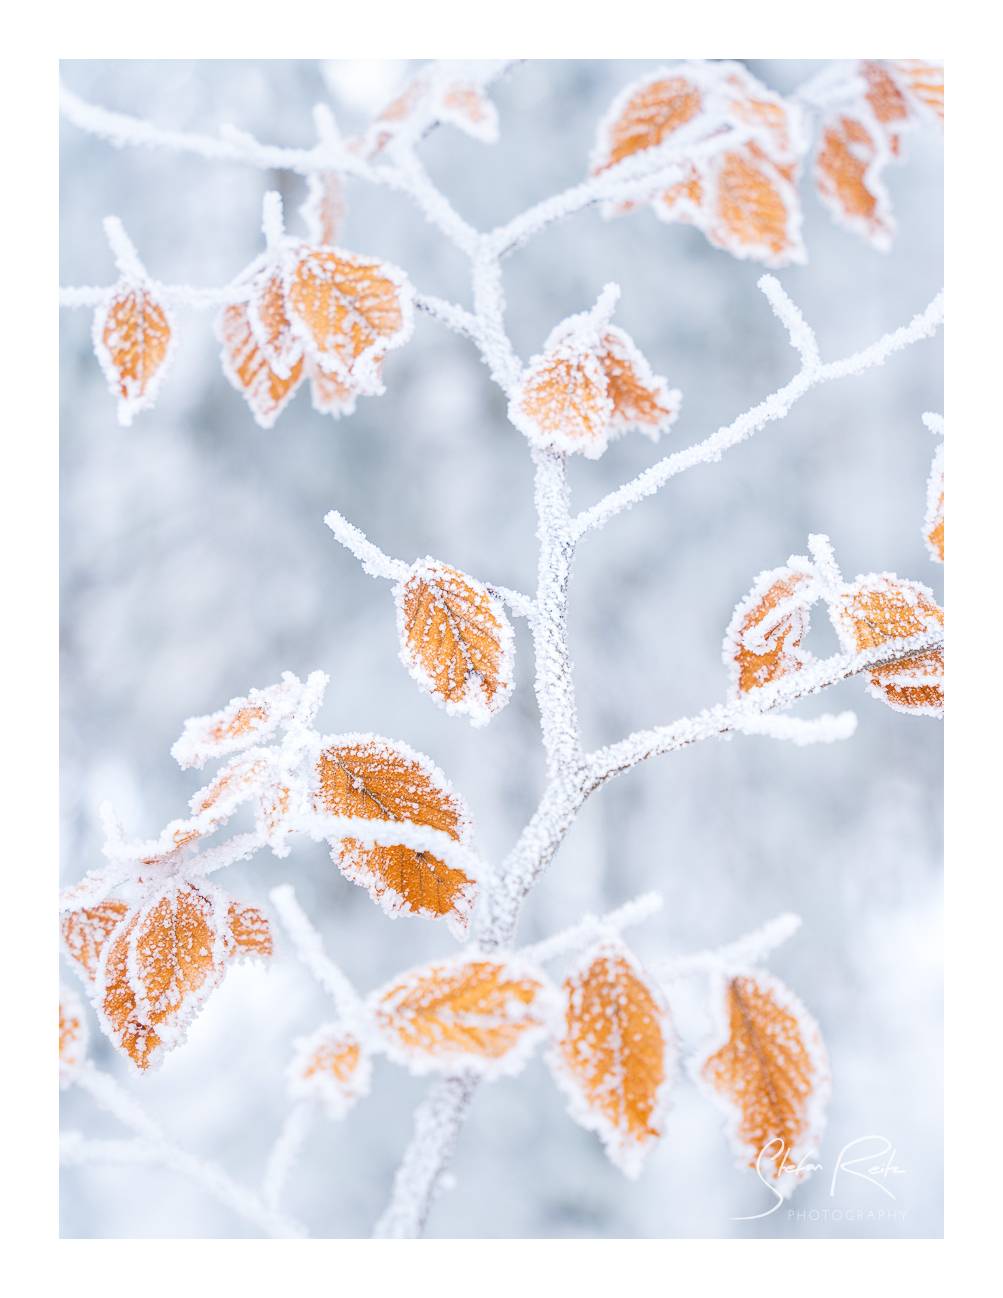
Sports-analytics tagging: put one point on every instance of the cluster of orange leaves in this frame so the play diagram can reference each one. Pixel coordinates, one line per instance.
(744, 197)
(612, 1047)
(763, 642)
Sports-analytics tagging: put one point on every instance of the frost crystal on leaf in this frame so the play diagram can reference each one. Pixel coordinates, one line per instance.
(616, 1056)
(933, 524)
(331, 1066)
(766, 1067)
(384, 780)
(763, 640)
(134, 339)
(456, 640)
(243, 722)
(473, 1012)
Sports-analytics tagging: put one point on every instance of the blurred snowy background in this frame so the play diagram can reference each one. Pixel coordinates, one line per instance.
(195, 564)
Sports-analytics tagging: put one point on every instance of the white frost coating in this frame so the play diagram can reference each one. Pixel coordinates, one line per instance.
(749, 949)
(934, 423)
(624, 1150)
(591, 927)
(827, 729)
(776, 406)
(307, 943)
(827, 570)
(807, 1146)
(310, 1083)
(476, 702)
(244, 721)
(934, 501)
(787, 620)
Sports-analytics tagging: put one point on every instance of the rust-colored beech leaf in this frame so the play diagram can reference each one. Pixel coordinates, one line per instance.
(243, 722)
(133, 337)
(851, 157)
(383, 779)
(641, 399)
(463, 104)
(763, 640)
(280, 346)
(472, 1012)
(754, 209)
(933, 527)
(615, 1055)
(331, 1066)
(349, 310)
(159, 966)
(456, 640)
(72, 1035)
(250, 929)
(923, 82)
(562, 400)
(645, 115)
(886, 101)
(881, 607)
(767, 1068)
(85, 932)
(247, 367)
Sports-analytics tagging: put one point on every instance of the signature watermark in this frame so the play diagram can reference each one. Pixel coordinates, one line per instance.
(870, 1159)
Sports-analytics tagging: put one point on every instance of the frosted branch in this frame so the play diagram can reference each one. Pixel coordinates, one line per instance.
(827, 729)
(750, 949)
(310, 950)
(774, 407)
(728, 717)
(591, 927)
(285, 1152)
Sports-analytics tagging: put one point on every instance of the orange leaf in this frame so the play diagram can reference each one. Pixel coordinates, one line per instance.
(381, 779)
(562, 400)
(472, 1011)
(133, 337)
(848, 166)
(250, 929)
(86, 931)
(616, 1053)
(456, 640)
(768, 1070)
(465, 105)
(933, 527)
(349, 310)
(641, 399)
(924, 83)
(754, 209)
(243, 722)
(763, 640)
(159, 966)
(331, 1066)
(886, 100)
(72, 1035)
(247, 367)
(269, 322)
(882, 607)
(645, 115)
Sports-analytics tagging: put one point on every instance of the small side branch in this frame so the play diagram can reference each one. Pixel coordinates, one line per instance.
(750, 949)
(310, 950)
(591, 927)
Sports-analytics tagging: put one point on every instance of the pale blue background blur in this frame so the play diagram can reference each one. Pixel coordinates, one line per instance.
(195, 564)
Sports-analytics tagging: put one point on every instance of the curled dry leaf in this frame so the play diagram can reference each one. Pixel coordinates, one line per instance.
(933, 526)
(456, 640)
(383, 779)
(246, 366)
(329, 394)
(743, 198)
(243, 722)
(250, 930)
(472, 1012)
(763, 640)
(767, 1069)
(86, 931)
(881, 607)
(349, 310)
(616, 1054)
(133, 335)
(331, 1066)
(72, 1035)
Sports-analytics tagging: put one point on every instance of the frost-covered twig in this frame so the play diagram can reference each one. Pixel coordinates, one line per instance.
(776, 406)
(592, 926)
(285, 1151)
(750, 949)
(310, 950)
